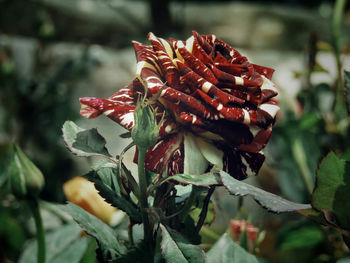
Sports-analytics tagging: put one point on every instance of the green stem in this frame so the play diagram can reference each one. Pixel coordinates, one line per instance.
(130, 234)
(204, 211)
(300, 157)
(188, 204)
(40, 232)
(337, 20)
(147, 230)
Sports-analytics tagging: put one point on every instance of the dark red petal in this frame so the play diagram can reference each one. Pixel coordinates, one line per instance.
(232, 81)
(267, 72)
(119, 112)
(191, 78)
(236, 56)
(240, 164)
(146, 54)
(258, 143)
(203, 42)
(196, 65)
(165, 55)
(166, 156)
(195, 48)
(233, 69)
(120, 107)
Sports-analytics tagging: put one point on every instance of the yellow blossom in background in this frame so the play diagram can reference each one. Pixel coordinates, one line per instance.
(83, 193)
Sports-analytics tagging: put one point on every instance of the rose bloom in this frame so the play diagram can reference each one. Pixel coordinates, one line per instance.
(218, 107)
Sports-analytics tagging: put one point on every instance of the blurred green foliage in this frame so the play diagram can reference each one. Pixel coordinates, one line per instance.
(33, 108)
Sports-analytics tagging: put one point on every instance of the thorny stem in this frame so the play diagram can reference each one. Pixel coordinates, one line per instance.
(204, 211)
(40, 232)
(147, 229)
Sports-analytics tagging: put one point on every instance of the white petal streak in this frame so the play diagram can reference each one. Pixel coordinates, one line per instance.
(127, 119)
(270, 109)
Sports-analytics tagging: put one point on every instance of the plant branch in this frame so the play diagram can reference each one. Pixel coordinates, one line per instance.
(40, 232)
(204, 211)
(188, 204)
(346, 93)
(300, 158)
(130, 234)
(337, 20)
(128, 175)
(143, 196)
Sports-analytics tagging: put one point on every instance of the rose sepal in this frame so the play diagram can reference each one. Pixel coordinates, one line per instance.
(145, 132)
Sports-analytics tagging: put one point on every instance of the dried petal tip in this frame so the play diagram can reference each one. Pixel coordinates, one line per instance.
(83, 193)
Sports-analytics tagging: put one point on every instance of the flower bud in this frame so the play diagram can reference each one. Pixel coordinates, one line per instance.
(245, 233)
(83, 193)
(26, 179)
(146, 130)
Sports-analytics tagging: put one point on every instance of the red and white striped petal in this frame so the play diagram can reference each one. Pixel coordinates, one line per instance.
(119, 107)
(219, 108)
(166, 156)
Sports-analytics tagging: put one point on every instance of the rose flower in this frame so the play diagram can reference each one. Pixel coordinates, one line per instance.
(218, 108)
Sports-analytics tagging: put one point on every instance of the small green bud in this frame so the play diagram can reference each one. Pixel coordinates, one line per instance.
(146, 130)
(26, 179)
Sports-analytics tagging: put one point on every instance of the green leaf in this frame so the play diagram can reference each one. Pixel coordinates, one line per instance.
(73, 253)
(299, 235)
(179, 251)
(204, 180)
(227, 251)
(59, 246)
(105, 236)
(192, 253)
(332, 190)
(170, 251)
(84, 143)
(105, 180)
(271, 202)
